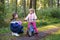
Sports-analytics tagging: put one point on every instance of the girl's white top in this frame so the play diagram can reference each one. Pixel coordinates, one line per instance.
(31, 17)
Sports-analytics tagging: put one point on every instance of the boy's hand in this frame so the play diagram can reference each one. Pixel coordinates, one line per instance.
(20, 22)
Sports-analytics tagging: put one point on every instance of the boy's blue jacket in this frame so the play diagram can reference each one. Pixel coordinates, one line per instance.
(16, 27)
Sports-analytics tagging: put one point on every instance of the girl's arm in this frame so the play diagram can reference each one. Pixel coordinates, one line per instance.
(35, 16)
(27, 17)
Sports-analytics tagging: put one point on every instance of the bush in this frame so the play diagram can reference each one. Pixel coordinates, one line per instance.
(2, 15)
(55, 13)
(48, 13)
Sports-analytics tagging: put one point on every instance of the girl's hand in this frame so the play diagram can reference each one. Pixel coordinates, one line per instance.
(34, 19)
(25, 20)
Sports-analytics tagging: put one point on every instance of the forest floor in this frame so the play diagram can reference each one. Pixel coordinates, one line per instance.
(41, 34)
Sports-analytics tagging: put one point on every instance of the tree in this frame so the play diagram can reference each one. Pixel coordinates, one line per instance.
(6, 6)
(2, 1)
(34, 4)
(45, 2)
(16, 7)
(50, 3)
(2, 13)
(2, 4)
(57, 3)
(30, 4)
(27, 3)
(24, 7)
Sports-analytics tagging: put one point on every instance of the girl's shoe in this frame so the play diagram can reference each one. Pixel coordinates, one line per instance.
(15, 34)
(36, 33)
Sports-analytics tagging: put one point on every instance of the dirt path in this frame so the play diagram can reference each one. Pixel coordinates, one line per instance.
(36, 37)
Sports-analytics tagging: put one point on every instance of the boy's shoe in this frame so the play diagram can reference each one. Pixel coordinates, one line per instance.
(15, 34)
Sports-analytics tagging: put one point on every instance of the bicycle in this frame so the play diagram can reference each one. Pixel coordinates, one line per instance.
(30, 31)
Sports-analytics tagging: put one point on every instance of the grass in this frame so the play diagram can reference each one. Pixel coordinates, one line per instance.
(4, 30)
(49, 27)
(54, 36)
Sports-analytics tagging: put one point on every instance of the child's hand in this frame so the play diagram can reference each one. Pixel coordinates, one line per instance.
(25, 20)
(20, 22)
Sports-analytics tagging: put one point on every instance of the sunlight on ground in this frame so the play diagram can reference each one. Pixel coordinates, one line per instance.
(58, 32)
(47, 27)
(58, 25)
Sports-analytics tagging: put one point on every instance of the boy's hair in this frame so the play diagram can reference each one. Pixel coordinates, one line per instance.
(13, 15)
(31, 9)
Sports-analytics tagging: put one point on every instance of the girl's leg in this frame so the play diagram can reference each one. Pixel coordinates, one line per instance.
(34, 25)
(28, 25)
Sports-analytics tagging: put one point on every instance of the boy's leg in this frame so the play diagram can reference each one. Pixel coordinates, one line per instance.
(20, 29)
(15, 34)
(34, 25)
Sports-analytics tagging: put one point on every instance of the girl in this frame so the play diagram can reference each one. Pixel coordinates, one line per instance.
(15, 25)
(31, 18)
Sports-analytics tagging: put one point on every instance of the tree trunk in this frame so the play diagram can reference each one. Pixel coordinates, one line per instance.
(2, 1)
(24, 7)
(30, 4)
(57, 3)
(34, 4)
(50, 3)
(2, 13)
(16, 7)
(44, 3)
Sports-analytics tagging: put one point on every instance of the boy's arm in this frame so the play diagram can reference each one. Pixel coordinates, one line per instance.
(20, 22)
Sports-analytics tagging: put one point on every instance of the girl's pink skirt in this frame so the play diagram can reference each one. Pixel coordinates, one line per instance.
(34, 25)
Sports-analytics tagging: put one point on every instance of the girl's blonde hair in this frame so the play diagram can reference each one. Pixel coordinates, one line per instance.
(31, 9)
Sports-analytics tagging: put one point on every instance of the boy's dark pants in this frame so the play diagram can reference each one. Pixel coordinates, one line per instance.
(18, 29)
